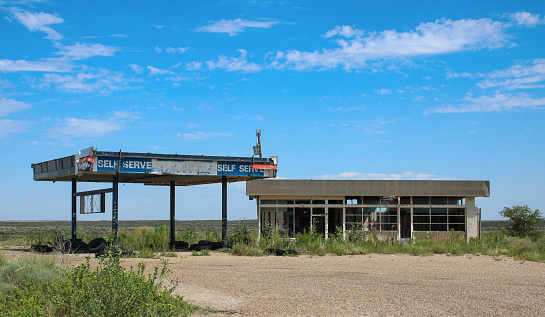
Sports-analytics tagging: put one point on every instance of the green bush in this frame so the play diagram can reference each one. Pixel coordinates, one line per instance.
(108, 290)
(523, 221)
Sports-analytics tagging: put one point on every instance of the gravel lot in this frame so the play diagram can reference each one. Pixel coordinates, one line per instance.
(365, 285)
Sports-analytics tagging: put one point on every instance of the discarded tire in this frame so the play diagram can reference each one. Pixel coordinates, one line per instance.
(74, 246)
(216, 245)
(205, 242)
(195, 247)
(180, 245)
(96, 245)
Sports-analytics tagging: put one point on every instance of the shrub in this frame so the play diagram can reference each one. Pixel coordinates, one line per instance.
(240, 234)
(110, 290)
(523, 221)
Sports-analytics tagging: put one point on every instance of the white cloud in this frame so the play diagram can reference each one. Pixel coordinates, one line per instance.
(345, 31)
(234, 64)
(444, 36)
(125, 115)
(383, 91)
(8, 126)
(193, 66)
(157, 49)
(346, 108)
(135, 68)
(408, 175)
(102, 81)
(8, 106)
(199, 135)
(38, 22)
(87, 128)
(234, 27)
(526, 19)
(157, 71)
(84, 51)
(176, 49)
(524, 75)
(7, 65)
(499, 102)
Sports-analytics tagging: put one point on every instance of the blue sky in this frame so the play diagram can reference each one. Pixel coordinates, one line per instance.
(340, 90)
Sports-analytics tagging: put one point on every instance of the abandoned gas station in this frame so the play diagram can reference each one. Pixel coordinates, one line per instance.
(396, 209)
(91, 165)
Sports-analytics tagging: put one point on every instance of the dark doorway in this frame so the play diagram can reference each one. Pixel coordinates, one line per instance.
(335, 220)
(302, 220)
(405, 224)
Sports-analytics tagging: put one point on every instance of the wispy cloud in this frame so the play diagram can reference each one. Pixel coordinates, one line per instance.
(7, 65)
(498, 102)
(157, 71)
(193, 65)
(526, 19)
(408, 175)
(39, 22)
(234, 64)
(357, 48)
(176, 49)
(199, 135)
(83, 51)
(102, 81)
(235, 27)
(87, 128)
(524, 75)
(8, 106)
(8, 126)
(135, 68)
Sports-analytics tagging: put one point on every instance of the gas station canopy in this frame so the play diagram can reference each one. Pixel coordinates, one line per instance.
(91, 165)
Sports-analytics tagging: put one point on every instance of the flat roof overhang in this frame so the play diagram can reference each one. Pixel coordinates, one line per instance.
(336, 188)
(155, 169)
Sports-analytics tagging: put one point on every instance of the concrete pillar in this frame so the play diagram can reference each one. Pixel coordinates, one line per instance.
(326, 223)
(472, 218)
(344, 223)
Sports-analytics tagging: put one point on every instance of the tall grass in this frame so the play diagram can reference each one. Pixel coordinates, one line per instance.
(249, 242)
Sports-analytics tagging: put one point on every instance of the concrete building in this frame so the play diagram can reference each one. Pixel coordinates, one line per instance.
(397, 209)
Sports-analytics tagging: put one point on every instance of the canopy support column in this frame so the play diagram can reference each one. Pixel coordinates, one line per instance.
(115, 200)
(224, 210)
(172, 213)
(74, 203)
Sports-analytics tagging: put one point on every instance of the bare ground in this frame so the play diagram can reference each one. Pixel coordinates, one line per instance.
(364, 285)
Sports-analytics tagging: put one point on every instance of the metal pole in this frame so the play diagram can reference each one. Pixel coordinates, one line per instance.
(224, 210)
(115, 198)
(172, 213)
(74, 201)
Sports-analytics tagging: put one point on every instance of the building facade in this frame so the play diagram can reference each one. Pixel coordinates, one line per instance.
(396, 209)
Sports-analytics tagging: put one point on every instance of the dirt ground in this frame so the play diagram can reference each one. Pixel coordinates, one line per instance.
(364, 285)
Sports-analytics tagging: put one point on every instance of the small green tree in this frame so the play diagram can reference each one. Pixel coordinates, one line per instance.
(523, 221)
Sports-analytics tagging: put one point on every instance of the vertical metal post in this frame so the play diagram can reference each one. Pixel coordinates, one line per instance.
(74, 202)
(258, 218)
(172, 213)
(115, 200)
(224, 210)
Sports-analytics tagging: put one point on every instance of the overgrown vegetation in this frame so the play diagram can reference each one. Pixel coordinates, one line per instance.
(38, 287)
(153, 242)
